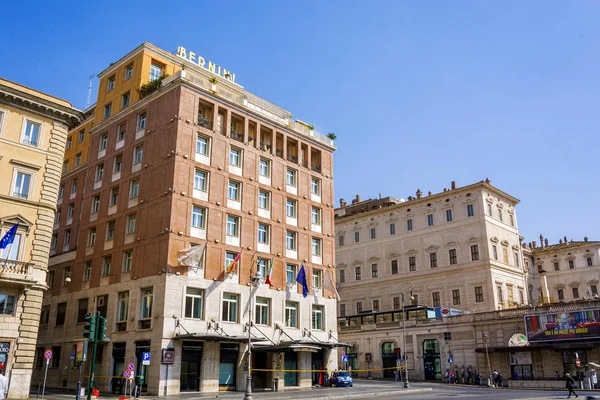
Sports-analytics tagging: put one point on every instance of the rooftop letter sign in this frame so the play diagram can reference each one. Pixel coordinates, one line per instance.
(208, 65)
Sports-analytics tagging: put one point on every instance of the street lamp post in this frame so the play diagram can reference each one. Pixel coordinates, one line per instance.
(408, 286)
(248, 394)
(487, 355)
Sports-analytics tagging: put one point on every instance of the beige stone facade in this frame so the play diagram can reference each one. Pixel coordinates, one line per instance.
(33, 130)
(194, 164)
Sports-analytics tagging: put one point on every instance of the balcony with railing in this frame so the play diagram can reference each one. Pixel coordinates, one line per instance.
(237, 128)
(205, 115)
(15, 271)
(292, 150)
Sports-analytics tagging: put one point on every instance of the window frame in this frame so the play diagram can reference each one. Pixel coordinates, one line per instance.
(194, 303)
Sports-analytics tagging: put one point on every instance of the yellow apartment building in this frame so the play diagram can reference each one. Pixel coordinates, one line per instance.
(33, 133)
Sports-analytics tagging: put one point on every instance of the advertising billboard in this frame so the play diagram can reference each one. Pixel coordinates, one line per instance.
(568, 325)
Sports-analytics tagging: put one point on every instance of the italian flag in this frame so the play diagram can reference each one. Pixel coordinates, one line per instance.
(268, 280)
(233, 265)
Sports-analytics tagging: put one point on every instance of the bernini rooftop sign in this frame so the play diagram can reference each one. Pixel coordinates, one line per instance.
(200, 61)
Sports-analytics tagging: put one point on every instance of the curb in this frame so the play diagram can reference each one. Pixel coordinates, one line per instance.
(367, 394)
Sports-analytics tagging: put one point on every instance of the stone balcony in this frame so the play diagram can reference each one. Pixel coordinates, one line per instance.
(16, 272)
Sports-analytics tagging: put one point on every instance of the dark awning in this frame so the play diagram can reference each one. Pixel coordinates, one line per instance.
(572, 344)
(300, 345)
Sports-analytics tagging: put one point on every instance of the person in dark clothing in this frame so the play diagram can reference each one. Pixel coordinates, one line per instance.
(570, 384)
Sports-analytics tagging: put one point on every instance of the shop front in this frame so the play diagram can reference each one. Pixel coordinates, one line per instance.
(432, 365)
(191, 361)
(389, 359)
(228, 359)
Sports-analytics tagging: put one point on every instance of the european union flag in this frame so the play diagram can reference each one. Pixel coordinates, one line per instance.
(301, 279)
(9, 237)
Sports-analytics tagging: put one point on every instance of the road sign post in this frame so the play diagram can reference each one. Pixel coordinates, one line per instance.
(48, 357)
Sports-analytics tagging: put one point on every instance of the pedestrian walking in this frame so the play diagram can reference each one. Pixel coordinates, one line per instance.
(479, 379)
(570, 383)
(3, 385)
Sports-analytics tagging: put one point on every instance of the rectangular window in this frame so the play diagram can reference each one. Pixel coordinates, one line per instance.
(262, 311)
(95, 204)
(448, 215)
(394, 265)
(340, 240)
(53, 241)
(110, 84)
(81, 136)
(376, 305)
(409, 225)
(91, 237)
(571, 264)
(356, 237)
(114, 196)
(87, 271)
(22, 185)
(505, 254)
(141, 122)
(134, 188)
(359, 307)
(61, 192)
(589, 261)
(317, 278)
(128, 71)
(291, 314)
(202, 145)
(357, 273)
(232, 226)
(156, 72)
(110, 230)
(71, 211)
(194, 303)
(575, 293)
(317, 317)
(230, 308)
(315, 216)
(61, 312)
(264, 168)
(556, 266)
(452, 256)
(392, 229)
(290, 177)
(290, 240)
(127, 260)
(233, 191)
(315, 186)
(138, 154)
(499, 293)
(342, 275)
(130, 224)
(342, 310)
(123, 307)
(412, 263)
(99, 172)
(103, 142)
(396, 303)
(125, 98)
(517, 263)
(261, 268)
(235, 157)
(470, 210)
(290, 274)
(107, 110)
(512, 219)
(474, 252)
(200, 178)
(500, 214)
(435, 296)
(456, 297)
(197, 217)
(594, 289)
(82, 309)
(106, 264)
(316, 247)
(290, 208)
(32, 133)
(490, 210)
(263, 233)
(65, 167)
(429, 219)
(67, 240)
(374, 271)
(495, 252)
(263, 200)
(69, 140)
(77, 159)
(146, 308)
(7, 304)
(561, 294)
(433, 260)
(373, 233)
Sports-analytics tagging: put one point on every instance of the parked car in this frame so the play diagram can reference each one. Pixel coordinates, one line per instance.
(341, 378)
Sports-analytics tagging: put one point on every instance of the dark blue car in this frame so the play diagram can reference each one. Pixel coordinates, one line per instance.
(341, 378)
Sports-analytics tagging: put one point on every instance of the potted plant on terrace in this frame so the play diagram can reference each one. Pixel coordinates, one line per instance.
(213, 84)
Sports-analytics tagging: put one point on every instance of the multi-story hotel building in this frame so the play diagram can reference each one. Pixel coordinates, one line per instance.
(33, 133)
(180, 156)
(458, 249)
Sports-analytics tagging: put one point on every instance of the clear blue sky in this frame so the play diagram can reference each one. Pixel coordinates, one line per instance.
(420, 93)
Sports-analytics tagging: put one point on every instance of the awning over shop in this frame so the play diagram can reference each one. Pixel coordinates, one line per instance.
(215, 337)
(574, 344)
(300, 345)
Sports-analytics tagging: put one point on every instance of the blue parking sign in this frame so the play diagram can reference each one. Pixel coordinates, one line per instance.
(146, 356)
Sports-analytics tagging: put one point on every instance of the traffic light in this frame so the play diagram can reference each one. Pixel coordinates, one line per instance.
(90, 327)
(101, 327)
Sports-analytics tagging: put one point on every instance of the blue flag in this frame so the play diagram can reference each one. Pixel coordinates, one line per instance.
(301, 279)
(9, 237)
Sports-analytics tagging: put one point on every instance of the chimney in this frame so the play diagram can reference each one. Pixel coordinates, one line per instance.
(565, 239)
(541, 241)
(559, 241)
(419, 193)
(546, 242)
(343, 203)
(585, 239)
(453, 185)
(358, 198)
(429, 193)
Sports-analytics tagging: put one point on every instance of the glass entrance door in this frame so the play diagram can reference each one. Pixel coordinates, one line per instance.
(189, 380)
(290, 364)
